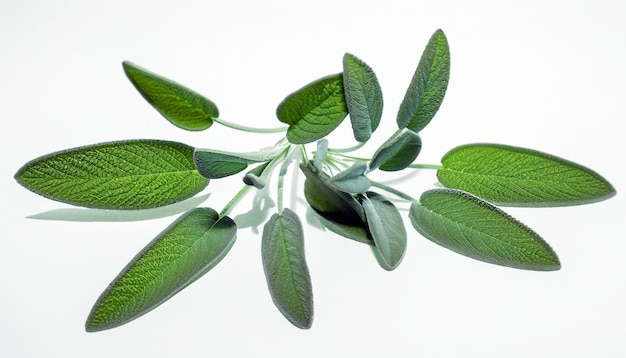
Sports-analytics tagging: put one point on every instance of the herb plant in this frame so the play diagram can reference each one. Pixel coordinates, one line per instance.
(463, 215)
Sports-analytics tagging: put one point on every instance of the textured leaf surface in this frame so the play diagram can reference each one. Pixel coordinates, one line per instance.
(135, 174)
(521, 177)
(352, 179)
(178, 104)
(356, 230)
(387, 229)
(472, 227)
(314, 111)
(428, 85)
(214, 164)
(397, 154)
(286, 270)
(186, 250)
(364, 98)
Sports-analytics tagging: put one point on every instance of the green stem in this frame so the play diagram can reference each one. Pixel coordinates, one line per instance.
(249, 129)
(425, 166)
(281, 181)
(233, 202)
(393, 191)
(346, 150)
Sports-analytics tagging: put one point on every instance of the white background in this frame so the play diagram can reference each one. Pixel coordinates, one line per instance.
(548, 75)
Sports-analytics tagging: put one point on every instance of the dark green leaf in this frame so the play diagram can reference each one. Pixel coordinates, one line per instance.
(186, 250)
(314, 111)
(352, 180)
(286, 270)
(364, 97)
(521, 177)
(397, 154)
(356, 230)
(214, 164)
(134, 174)
(428, 86)
(180, 105)
(329, 201)
(472, 227)
(386, 227)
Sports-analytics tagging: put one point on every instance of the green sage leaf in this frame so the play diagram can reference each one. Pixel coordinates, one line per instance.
(178, 104)
(364, 97)
(286, 270)
(133, 174)
(428, 85)
(215, 164)
(314, 111)
(356, 230)
(472, 227)
(183, 252)
(352, 180)
(516, 176)
(398, 153)
(327, 200)
(257, 176)
(386, 227)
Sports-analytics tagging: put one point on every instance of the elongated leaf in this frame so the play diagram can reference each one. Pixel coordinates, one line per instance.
(327, 200)
(397, 154)
(186, 250)
(134, 174)
(521, 177)
(352, 180)
(320, 153)
(364, 98)
(215, 164)
(386, 227)
(472, 227)
(178, 104)
(356, 230)
(286, 270)
(314, 111)
(428, 86)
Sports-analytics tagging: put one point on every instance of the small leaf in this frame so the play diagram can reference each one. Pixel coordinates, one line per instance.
(286, 270)
(352, 180)
(314, 111)
(364, 97)
(428, 86)
(386, 227)
(397, 154)
(215, 164)
(180, 105)
(320, 153)
(182, 253)
(472, 227)
(516, 176)
(327, 200)
(257, 176)
(133, 174)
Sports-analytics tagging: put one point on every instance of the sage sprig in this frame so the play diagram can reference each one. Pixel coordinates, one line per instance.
(340, 188)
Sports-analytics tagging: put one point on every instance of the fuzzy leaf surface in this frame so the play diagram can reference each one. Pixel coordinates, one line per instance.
(133, 174)
(428, 85)
(315, 110)
(387, 229)
(516, 176)
(285, 268)
(470, 226)
(352, 179)
(364, 98)
(178, 104)
(397, 154)
(183, 252)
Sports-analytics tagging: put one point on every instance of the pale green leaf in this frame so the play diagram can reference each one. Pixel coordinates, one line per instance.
(472, 227)
(133, 174)
(257, 176)
(320, 153)
(286, 270)
(352, 180)
(516, 176)
(428, 85)
(364, 97)
(180, 105)
(386, 227)
(314, 111)
(186, 250)
(397, 154)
